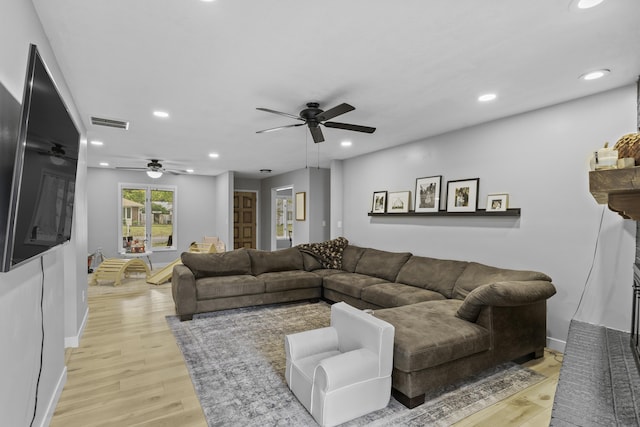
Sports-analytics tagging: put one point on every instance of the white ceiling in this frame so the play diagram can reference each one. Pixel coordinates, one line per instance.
(412, 68)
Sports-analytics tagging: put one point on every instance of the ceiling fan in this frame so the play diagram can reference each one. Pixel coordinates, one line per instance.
(51, 148)
(154, 169)
(313, 117)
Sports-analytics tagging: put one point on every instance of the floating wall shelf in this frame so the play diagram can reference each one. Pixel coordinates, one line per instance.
(619, 189)
(514, 212)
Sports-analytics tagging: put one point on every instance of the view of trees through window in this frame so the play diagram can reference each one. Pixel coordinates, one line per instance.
(148, 217)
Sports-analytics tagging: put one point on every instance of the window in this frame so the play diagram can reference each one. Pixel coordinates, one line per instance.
(147, 217)
(284, 216)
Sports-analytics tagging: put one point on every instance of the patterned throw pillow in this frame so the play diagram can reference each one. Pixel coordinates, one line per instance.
(329, 253)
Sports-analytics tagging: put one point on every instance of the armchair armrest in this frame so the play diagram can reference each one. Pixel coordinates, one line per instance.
(504, 294)
(346, 369)
(307, 343)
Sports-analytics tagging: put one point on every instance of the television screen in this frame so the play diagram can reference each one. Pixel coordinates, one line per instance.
(44, 175)
(9, 122)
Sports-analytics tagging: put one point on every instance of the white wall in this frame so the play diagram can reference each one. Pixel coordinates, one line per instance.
(541, 159)
(195, 214)
(224, 208)
(64, 305)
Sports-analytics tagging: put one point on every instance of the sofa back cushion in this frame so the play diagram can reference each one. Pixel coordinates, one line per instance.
(350, 257)
(269, 261)
(479, 274)
(382, 264)
(437, 275)
(218, 264)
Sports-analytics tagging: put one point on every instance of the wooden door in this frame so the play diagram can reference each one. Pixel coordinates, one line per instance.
(244, 220)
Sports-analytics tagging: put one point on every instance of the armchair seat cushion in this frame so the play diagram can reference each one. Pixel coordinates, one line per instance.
(350, 284)
(397, 294)
(449, 337)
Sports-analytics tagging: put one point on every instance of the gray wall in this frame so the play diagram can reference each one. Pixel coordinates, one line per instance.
(196, 212)
(315, 183)
(541, 159)
(63, 279)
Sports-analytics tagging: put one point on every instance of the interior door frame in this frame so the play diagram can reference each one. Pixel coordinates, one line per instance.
(257, 192)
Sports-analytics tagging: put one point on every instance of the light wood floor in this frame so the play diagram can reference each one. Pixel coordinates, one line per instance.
(128, 370)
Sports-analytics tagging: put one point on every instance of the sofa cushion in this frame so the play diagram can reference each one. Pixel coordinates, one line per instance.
(382, 264)
(479, 274)
(282, 260)
(397, 294)
(310, 262)
(437, 275)
(218, 264)
(324, 272)
(350, 283)
(428, 334)
(504, 294)
(350, 257)
(228, 286)
(278, 281)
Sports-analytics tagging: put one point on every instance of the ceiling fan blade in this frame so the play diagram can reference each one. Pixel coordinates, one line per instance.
(280, 127)
(131, 169)
(348, 126)
(280, 113)
(334, 112)
(316, 133)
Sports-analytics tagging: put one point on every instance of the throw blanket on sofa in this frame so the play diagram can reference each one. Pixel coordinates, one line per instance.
(329, 253)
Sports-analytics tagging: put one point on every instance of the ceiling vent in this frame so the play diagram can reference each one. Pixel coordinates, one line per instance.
(111, 123)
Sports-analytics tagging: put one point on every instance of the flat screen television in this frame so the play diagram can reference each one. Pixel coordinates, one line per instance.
(44, 170)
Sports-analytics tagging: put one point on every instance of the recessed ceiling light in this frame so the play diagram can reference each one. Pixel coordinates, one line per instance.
(586, 4)
(190, 171)
(207, 1)
(487, 97)
(161, 114)
(104, 164)
(594, 75)
(214, 155)
(346, 143)
(98, 143)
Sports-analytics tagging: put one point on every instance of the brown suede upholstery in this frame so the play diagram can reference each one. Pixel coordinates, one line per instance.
(452, 318)
(382, 264)
(437, 275)
(397, 294)
(479, 274)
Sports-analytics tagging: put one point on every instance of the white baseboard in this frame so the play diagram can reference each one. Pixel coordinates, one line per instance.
(51, 407)
(74, 341)
(556, 345)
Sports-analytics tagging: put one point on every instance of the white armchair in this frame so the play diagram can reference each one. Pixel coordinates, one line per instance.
(343, 371)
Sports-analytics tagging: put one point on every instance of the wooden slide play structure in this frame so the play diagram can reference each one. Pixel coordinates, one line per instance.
(209, 245)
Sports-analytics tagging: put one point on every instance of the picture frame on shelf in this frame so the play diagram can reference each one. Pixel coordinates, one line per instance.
(399, 202)
(497, 202)
(379, 204)
(462, 195)
(301, 206)
(427, 194)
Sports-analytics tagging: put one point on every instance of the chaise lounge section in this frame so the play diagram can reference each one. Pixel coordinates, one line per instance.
(452, 318)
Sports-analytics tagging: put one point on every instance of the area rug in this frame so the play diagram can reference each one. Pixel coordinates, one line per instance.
(236, 361)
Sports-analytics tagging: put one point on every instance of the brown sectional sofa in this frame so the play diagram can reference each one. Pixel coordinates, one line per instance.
(452, 318)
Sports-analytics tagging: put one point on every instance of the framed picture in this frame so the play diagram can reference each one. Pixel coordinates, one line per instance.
(428, 194)
(462, 195)
(301, 204)
(497, 202)
(399, 201)
(379, 202)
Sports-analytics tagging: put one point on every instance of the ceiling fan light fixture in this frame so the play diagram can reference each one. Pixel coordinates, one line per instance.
(154, 174)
